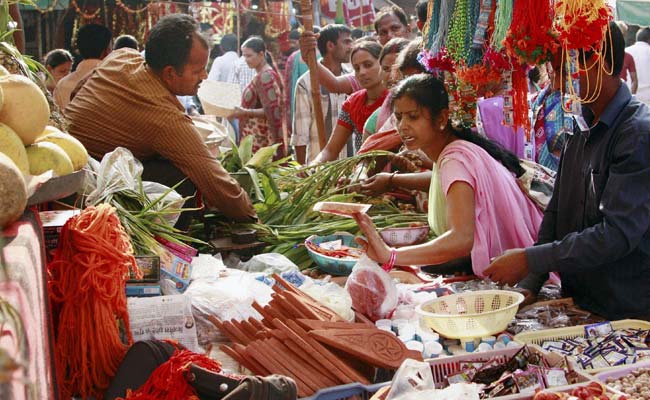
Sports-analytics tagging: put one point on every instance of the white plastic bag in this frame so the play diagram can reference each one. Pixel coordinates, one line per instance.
(373, 291)
(227, 297)
(268, 263)
(414, 381)
(118, 171)
(332, 295)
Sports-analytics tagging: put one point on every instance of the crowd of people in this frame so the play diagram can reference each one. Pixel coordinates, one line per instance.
(594, 233)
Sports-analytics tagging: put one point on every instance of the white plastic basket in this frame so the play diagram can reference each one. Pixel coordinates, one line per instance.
(441, 368)
(470, 314)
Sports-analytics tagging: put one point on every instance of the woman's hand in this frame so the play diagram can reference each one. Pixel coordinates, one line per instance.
(374, 245)
(376, 185)
(238, 113)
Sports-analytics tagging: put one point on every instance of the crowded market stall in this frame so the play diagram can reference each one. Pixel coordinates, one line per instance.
(102, 295)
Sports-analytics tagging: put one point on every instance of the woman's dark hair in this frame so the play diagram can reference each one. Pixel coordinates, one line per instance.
(372, 47)
(256, 43)
(394, 46)
(57, 57)
(408, 59)
(429, 92)
(170, 42)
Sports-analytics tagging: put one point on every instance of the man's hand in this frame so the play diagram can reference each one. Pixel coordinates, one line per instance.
(376, 185)
(308, 42)
(509, 268)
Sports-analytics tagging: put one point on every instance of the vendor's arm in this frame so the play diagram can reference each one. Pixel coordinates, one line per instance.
(384, 182)
(625, 205)
(179, 142)
(334, 84)
(334, 145)
(457, 242)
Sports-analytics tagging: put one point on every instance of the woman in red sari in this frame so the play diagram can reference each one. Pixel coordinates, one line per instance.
(260, 114)
(361, 104)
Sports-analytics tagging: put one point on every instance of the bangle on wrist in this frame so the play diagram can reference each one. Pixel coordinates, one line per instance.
(391, 260)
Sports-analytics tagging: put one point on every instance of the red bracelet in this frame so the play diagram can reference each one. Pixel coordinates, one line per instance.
(391, 261)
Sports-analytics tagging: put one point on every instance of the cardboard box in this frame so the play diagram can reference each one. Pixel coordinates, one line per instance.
(53, 222)
(150, 267)
(143, 290)
(176, 265)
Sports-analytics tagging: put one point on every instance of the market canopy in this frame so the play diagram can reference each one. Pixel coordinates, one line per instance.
(634, 11)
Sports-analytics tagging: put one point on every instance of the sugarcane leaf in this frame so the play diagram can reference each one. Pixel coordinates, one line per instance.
(262, 157)
(246, 150)
(270, 188)
(256, 183)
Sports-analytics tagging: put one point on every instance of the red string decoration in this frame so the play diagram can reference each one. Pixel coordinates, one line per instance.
(87, 286)
(170, 380)
(531, 39)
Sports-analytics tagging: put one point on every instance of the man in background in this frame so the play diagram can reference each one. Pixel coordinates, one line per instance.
(93, 44)
(391, 22)
(123, 41)
(629, 66)
(640, 51)
(335, 45)
(223, 65)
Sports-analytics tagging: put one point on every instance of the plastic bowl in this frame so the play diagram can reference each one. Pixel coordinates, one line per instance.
(332, 265)
(470, 314)
(405, 236)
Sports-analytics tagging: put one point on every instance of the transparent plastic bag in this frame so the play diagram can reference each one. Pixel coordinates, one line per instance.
(171, 201)
(120, 171)
(373, 291)
(332, 295)
(229, 297)
(117, 171)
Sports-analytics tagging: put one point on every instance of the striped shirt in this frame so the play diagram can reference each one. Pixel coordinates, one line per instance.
(125, 104)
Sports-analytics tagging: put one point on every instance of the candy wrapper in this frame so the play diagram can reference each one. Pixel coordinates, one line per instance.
(529, 381)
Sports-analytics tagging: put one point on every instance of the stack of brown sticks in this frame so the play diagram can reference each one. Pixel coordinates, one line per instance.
(301, 338)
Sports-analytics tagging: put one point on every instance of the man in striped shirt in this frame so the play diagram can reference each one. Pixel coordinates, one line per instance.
(130, 102)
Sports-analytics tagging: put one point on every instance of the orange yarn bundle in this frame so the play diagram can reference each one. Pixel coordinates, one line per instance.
(87, 286)
(170, 380)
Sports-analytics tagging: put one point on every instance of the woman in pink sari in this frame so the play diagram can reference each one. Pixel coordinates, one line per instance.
(260, 114)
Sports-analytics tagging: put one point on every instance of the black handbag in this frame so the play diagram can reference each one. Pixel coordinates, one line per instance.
(145, 356)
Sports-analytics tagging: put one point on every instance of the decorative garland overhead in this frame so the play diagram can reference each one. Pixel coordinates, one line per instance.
(486, 47)
(47, 9)
(125, 8)
(84, 15)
